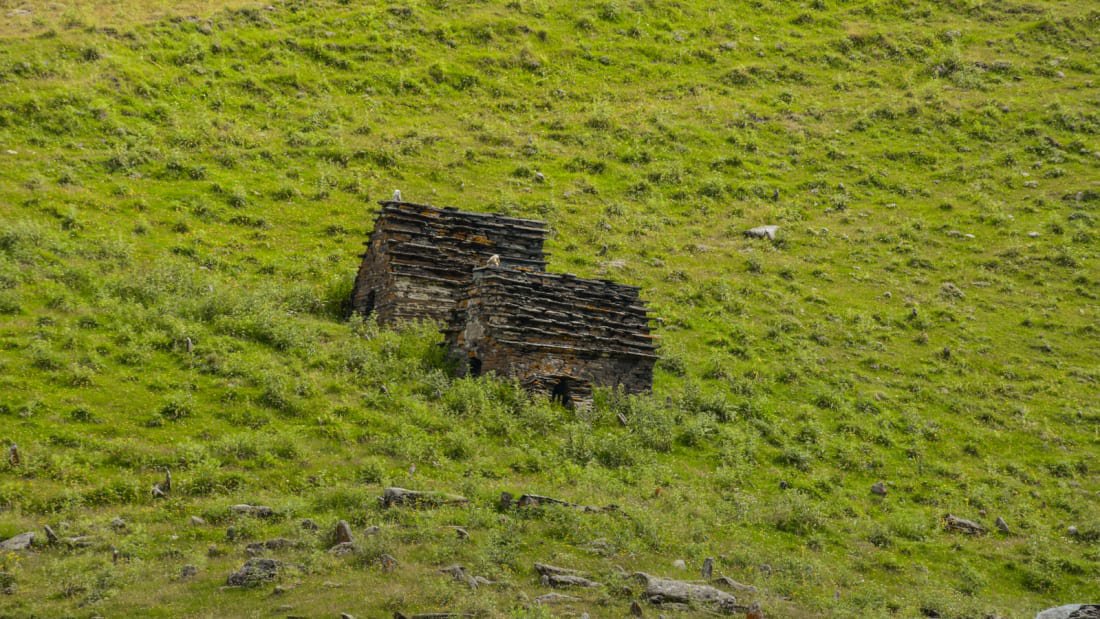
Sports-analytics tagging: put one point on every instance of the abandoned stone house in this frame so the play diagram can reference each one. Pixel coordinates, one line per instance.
(420, 257)
(558, 334)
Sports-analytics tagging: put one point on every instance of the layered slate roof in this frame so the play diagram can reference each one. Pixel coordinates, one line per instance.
(420, 256)
(552, 312)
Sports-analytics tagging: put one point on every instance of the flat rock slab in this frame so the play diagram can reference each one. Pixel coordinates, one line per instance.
(22, 541)
(400, 496)
(962, 525)
(278, 543)
(1071, 611)
(762, 232)
(441, 615)
(260, 511)
(560, 577)
(663, 591)
(555, 598)
(536, 500)
(730, 583)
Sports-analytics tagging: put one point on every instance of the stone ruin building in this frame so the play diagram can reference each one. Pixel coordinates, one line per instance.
(483, 277)
(419, 258)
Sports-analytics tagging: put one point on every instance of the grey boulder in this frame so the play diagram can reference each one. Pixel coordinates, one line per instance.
(22, 541)
(1071, 611)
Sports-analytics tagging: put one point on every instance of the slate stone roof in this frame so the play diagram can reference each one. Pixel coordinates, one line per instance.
(419, 256)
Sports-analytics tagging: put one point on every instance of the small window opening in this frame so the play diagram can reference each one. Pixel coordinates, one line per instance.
(474, 366)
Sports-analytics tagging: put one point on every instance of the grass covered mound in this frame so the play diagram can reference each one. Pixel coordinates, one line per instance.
(183, 202)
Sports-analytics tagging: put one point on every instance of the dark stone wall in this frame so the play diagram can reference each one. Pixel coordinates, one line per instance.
(548, 329)
(420, 257)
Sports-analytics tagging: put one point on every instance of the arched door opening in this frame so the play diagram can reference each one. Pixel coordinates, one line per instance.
(473, 367)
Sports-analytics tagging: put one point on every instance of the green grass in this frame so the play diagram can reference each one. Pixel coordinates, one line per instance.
(214, 178)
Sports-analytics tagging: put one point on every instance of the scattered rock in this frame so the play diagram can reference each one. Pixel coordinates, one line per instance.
(555, 598)
(949, 290)
(254, 572)
(281, 589)
(309, 525)
(962, 525)
(389, 564)
(372, 530)
(540, 177)
(118, 524)
(51, 537)
(260, 511)
(679, 564)
(80, 541)
(13, 455)
(455, 571)
(536, 500)
(1072, 530)
(636, 609)
(762, 232)
(197, 521)
(879, 488)
(754, 611)
(166, 485)
(278, 543)
(346, 616)
(400, 496)
(159, 493)
(462, 533)
(343, 533)
(1002, 526)
(1033, 234)
(663, 591)
(340, 550)
(560, 577)
(730, 583)
(460, 574)
(1071, 611)
(22, 541)
(188, 571)
(506, 501)
(441, 615)
(543, 569)
(708, 568)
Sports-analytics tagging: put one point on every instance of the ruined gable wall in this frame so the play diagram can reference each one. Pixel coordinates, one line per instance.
(419, 258)
(534, 326)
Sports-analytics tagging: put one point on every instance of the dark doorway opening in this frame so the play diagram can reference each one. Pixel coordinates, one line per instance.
(473, 367)
(368, 304)
(562, 393)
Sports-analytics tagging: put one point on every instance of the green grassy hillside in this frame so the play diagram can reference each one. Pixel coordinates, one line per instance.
(929, 315)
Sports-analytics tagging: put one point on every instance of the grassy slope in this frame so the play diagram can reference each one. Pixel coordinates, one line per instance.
(213, 179)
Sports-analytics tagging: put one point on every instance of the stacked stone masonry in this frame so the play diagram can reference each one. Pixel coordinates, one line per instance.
(558, 334)
(420, 257)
